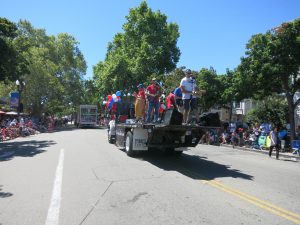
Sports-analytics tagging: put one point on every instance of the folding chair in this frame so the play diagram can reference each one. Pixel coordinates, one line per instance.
(296, 146)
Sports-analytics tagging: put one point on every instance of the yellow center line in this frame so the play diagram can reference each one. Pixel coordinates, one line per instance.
(294, 217)
(257, 199)
(276, 212)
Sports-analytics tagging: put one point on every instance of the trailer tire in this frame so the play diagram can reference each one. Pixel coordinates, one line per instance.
(110, 140)
(129, 144)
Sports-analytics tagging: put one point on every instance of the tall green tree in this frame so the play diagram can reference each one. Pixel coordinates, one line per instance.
(208, 80)
(172, 79)
(228, 88)
(272, 64)
(12, 65)
(273, 109)
(91, 95)
(147, 46)
(56, 69)
(71, 67)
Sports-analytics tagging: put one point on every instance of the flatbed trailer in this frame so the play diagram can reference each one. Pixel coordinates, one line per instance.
(138, 137)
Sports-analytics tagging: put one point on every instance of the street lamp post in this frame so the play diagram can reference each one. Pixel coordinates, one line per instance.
(20, 86)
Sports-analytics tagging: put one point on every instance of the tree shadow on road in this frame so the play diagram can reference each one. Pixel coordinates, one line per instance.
(193, 166)
(9, 150)
(4, 194)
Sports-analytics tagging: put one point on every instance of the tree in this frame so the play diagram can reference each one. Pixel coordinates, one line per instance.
(90, 93)
(172, 80)
(71, 67)
(272, 64)
(150, 41)
(12, 65)
(208, 80)
(56, 69)
(273, 109)
(146, 47)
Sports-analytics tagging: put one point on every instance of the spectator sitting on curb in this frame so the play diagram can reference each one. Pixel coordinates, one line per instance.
(234, 139)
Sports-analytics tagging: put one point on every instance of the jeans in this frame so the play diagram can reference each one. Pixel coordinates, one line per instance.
(152, 105)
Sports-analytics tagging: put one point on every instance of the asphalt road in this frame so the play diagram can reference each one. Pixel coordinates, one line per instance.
(76, 177)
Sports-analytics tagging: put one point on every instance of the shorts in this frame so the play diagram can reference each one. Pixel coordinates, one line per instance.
(186, 104)
(190, 104)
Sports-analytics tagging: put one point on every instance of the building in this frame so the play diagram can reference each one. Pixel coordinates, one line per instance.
(239, 110)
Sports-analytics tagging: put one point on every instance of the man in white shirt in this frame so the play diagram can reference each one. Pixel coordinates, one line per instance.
(187, 87)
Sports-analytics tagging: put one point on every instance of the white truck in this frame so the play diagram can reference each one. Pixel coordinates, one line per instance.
(87, 116)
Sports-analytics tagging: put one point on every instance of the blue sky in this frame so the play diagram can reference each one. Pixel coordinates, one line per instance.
(212, 33)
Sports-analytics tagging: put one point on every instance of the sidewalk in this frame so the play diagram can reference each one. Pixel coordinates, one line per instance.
(285, 155)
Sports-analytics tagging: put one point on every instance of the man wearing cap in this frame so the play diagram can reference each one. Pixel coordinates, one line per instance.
(187, 87)
(153, 94)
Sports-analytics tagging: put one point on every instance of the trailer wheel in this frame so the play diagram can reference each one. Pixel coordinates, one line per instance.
(110, 140)
(129, 144)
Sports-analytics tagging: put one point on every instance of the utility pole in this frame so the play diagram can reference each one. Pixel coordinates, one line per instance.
(21, 86)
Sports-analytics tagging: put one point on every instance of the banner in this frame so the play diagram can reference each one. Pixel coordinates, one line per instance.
(14, 99)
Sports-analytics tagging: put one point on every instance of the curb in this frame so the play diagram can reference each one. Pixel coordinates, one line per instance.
(266, 152)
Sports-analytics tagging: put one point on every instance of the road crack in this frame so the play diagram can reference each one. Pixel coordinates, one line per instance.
(95, 204)
(136, 197)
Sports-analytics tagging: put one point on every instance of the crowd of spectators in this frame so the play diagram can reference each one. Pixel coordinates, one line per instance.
(255, 136)
(13, 126)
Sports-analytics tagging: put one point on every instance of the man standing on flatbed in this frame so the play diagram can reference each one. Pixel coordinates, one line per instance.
(187, 87)
(153, 93)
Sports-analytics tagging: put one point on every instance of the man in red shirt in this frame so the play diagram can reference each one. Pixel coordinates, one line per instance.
(153, 94)
(171, 102)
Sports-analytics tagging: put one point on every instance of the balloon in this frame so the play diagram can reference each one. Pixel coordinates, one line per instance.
(110, 104)
(114, 97)
(119, 99)
(109, 97)
(104, 102)
(118, 93)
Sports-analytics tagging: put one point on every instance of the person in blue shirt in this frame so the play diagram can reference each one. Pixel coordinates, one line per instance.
(178, 98)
